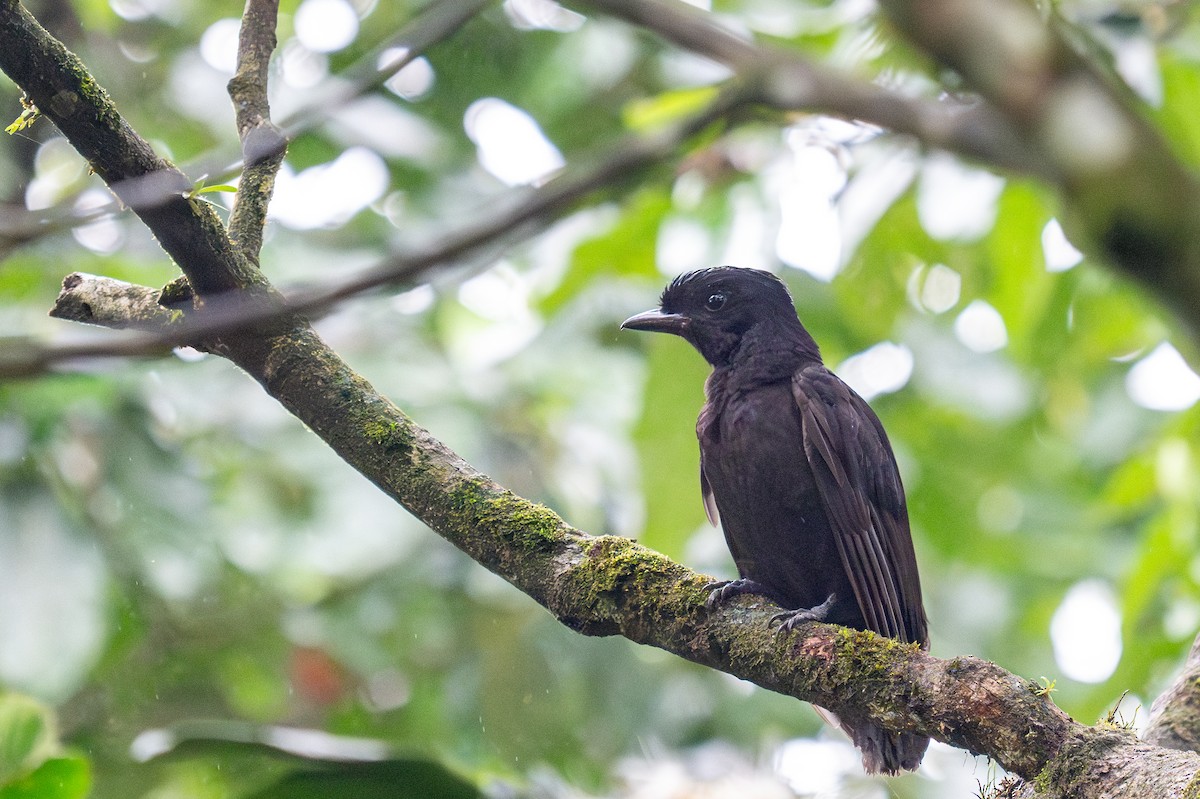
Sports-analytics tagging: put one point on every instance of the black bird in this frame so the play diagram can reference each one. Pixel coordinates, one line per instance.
(800, 472)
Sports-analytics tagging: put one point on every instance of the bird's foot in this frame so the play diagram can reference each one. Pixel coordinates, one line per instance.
(725, 590)
(789, 619)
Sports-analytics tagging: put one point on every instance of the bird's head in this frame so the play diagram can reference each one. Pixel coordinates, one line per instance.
(715, 308)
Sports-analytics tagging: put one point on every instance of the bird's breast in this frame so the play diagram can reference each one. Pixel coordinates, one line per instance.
(771, 509)
(754, 459)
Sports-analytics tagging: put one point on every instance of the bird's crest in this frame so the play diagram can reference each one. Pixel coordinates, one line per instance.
(712, 275)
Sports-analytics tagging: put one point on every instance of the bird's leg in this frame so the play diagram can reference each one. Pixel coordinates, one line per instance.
(788, 620)
(725, 590)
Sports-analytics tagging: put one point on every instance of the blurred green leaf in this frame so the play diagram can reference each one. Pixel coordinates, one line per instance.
(27, 735)
(394, 779)
(1180, 85)
(665, 436)
(56, 778)
(649, 113)
(1021, 289)
(219, 187)
(325, 765)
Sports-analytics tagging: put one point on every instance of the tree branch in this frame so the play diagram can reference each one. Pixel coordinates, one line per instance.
(787, 81)
(527, 212)
(434, 23)
(1128, 196)
(263, 146)
(1175, 715)
(1045, 111)
(112, 303)
(771, 76)
(66, 93)
(607, 585)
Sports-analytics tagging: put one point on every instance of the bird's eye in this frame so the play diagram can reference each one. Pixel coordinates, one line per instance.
(715, 302)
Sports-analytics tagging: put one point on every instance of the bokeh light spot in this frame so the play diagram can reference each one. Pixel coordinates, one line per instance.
(326, 26)
(809, 235)
(1086, 632)
(935, 289)
(330, 194)
(881, 369)
(981, 328)
(219, 45)
(542, 15)
(413, 80)
(955, 201)
(510, 144)
(1060, 253)
(1163, 381)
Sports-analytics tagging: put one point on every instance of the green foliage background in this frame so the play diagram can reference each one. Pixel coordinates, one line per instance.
(174, 547)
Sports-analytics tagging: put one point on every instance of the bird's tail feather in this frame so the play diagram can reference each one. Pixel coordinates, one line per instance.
(883, 752)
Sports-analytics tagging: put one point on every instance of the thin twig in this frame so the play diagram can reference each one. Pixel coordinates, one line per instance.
(619, 166)
(263, 146)
(432, 25)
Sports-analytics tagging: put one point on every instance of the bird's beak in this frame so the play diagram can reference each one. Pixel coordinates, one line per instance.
(657, 322)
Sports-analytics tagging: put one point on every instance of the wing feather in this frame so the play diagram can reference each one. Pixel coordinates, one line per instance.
(859, 484)
(710, 500)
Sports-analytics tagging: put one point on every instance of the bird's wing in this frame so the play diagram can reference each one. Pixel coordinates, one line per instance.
(710, 500)
(703, 427)
(860, 488)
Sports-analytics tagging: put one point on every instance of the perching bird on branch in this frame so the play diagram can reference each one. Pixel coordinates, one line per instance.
(800, 473)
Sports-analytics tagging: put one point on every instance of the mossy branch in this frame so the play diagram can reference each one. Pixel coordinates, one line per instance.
(67, 94)
(605, 585)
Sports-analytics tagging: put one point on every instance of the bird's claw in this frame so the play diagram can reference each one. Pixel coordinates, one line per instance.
(722, 591)
(790, 619)
(716, 593)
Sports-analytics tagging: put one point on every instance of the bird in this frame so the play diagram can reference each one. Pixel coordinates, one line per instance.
(798, 471)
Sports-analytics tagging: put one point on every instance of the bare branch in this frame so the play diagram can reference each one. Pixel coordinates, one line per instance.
(1128, 196)
(108, 303)
(112, 303)
(263, 146)
(528, 212)
(785, 80)
(256, 43)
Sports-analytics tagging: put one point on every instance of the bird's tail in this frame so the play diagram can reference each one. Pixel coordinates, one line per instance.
(883, 752)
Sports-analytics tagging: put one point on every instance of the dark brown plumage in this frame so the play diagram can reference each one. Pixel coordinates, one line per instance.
(799, 471)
